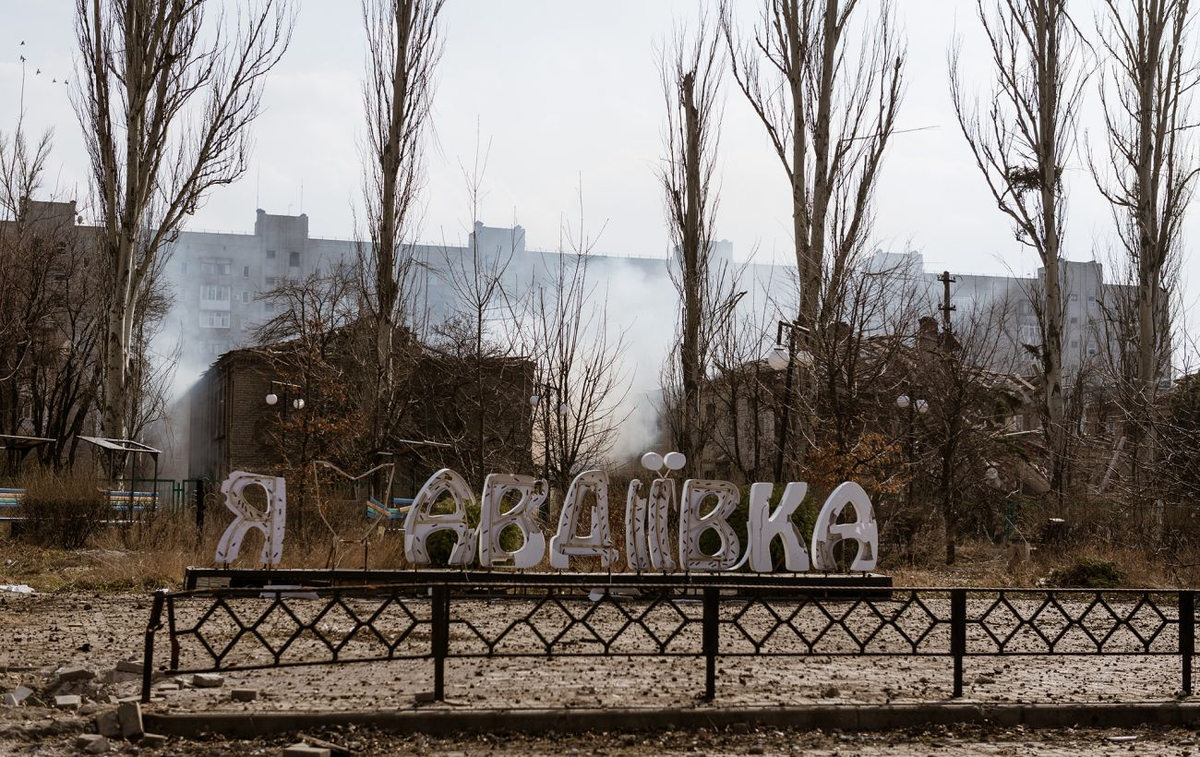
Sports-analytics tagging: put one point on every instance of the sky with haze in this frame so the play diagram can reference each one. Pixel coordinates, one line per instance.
(566, 95)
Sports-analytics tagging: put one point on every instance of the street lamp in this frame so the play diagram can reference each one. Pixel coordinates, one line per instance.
(781, 358)
(905, 402)
(284, 388)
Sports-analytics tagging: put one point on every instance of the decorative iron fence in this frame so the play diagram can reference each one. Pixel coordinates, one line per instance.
(225, 629)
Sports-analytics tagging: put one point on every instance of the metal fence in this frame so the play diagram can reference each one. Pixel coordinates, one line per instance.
(232, 629)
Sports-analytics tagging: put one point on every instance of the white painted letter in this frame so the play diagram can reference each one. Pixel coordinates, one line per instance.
(492, 521)
(421, 522)
(863, 529)
(658, 541)
(271, 523)
(692, 525)
(763, 526)
(598, 542)
(636, 555)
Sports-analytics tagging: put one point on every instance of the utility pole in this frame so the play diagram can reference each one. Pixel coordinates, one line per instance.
(950, 422)
(946, 307)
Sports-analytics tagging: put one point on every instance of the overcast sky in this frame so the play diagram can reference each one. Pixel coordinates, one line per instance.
(562, 95)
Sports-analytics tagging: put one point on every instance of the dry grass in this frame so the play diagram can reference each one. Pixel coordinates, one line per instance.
(154, 552)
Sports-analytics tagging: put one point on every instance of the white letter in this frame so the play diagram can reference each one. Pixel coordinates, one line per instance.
(492, 521)
(828, 531)
(658, 541)
(636, 555)
(421, 523)
(763, 526)
(692, 525)
(598, 541)
(271, 523)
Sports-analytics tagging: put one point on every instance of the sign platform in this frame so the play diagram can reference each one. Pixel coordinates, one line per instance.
(799, 584)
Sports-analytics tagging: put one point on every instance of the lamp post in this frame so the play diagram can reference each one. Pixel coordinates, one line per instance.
(781, 358)
(913, 406)
(285, 388)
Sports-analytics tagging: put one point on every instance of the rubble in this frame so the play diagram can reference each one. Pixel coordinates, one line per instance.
(244, 695)
(17, 696)
(68, 702)
(302, 749)
(208, 681)
(129, 715)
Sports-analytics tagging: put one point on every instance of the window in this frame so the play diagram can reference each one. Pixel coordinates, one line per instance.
(294, 259)
(183, 267)
(215, 267)
(269, 307)
(271, 281)
(1074, 298)
(245, 272)
(1074, 344)
(270, 254)
(245, 296)
(214, 319)
(1074, 320)
(214, 293)
(1030, 335)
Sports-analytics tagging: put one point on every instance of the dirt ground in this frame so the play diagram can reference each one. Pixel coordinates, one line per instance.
(964, 740)
(45, 633)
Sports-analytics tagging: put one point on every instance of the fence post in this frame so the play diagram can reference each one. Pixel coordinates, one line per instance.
(198, 493)
(711, 630)
(958, 635)
(441, 639)
(152, 626)
(1187, 636)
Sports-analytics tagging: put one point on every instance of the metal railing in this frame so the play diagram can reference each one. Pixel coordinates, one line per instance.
(228, 629)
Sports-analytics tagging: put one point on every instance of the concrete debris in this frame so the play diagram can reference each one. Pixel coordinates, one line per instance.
(16, 589)
(108, 724)
(73, 673)
(68, 702)
(244, 695)
(302, 749)
(17, 696)
(129, 666)
(207, 681)
(129, 715)
(152, 740)
(92, 743)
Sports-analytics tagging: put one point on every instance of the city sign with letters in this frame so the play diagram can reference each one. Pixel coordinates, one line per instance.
(701, 506)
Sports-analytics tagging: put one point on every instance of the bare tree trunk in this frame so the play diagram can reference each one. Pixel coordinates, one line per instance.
(403, 49)
(829, 113)
(1020, 144)
(155, 152)
(1146, 89)
(691, 82)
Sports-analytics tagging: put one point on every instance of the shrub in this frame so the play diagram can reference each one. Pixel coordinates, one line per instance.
(61, 509)
(1088, 573)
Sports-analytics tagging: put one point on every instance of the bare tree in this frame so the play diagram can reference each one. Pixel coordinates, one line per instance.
(403, 48)
(1146, 88)
(166, 102)
(477, 343)
(691, 77)
(829, 106)
(581, 388)
(49, 324)
(1021, 138)
(312, 344)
